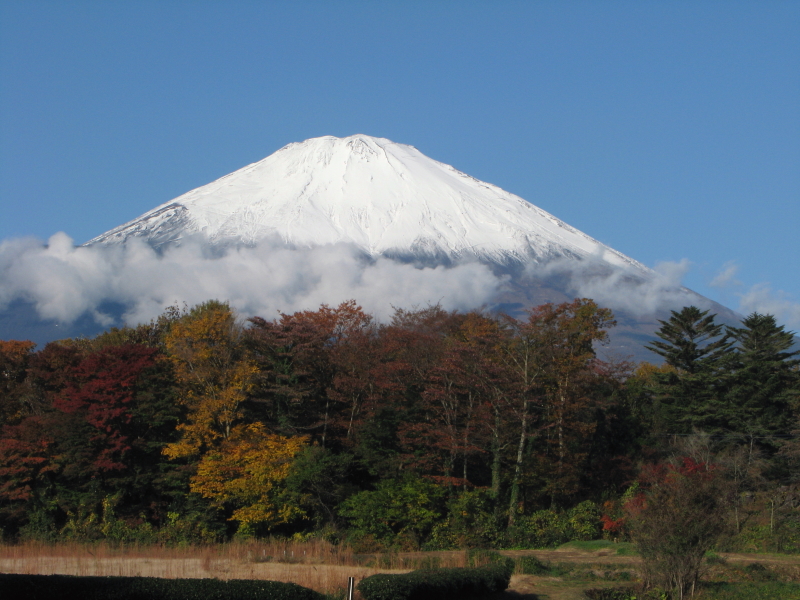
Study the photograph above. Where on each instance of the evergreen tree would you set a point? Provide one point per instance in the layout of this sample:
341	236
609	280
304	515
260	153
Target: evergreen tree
765	380
691	396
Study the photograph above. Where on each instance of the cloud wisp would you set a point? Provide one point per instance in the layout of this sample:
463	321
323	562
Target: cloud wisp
762	299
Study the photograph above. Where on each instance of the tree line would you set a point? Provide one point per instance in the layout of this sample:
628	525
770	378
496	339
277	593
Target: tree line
437	429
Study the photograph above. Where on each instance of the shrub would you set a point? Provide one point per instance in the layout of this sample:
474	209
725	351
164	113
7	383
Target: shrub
681	516
441	584
470	523
398	510
583	521
46	587
622	594
542	529
530	565
551	528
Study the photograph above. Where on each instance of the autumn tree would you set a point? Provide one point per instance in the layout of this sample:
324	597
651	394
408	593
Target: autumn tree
682	512
76	448
102	388
568	334
26	470
414	345
246	473
550	361
214	373
14	356
458	398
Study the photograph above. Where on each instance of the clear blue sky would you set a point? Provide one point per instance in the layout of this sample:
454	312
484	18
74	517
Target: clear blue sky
667	130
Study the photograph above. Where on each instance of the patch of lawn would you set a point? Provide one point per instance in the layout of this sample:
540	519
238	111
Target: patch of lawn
620	549
768	590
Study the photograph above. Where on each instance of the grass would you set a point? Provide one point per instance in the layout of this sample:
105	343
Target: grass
549	575
616	548
317	564
772	590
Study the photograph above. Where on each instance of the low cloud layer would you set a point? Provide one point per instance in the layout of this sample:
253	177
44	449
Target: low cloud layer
639	293
64	281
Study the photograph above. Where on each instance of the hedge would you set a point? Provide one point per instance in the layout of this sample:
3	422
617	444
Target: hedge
48	587
440	584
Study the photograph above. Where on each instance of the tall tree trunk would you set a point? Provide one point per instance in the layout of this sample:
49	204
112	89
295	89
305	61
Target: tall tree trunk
496	455
512	504
325	424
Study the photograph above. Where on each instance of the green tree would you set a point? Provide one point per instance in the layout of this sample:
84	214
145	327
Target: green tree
691	396
765	381
405	508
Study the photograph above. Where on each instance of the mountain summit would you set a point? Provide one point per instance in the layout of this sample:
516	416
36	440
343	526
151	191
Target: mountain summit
386	198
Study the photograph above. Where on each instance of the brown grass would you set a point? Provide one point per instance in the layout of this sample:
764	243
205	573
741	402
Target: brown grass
316	564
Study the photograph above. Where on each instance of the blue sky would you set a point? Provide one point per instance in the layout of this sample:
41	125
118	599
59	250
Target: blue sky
667	130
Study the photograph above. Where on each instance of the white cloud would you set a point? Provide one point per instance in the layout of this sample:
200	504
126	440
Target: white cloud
637	292
762	299
726	277
64	281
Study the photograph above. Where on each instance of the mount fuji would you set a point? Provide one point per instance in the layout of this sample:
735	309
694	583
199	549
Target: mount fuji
419	228
387	199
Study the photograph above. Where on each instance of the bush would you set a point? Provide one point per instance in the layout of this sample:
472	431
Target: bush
551	528
398	512
442	584
677	521
622	594
47	587
542	529
470	523
751	591
530	565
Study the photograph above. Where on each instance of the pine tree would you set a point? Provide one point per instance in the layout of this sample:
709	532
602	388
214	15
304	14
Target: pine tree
765	380
698	349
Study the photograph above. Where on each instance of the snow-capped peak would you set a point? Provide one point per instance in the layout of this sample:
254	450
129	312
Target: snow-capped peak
384	197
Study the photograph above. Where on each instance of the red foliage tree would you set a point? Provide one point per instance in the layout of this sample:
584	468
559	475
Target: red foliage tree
101	388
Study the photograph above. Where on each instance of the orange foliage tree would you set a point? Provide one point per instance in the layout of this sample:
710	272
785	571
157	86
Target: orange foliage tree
246	473
214	374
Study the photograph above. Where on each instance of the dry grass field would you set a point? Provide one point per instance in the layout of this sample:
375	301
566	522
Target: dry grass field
316	565
325	568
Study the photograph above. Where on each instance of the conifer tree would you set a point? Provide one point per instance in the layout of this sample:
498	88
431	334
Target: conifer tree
698	348
765	380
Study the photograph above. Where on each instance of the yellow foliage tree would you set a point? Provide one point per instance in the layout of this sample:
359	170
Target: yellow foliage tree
246	472
214	372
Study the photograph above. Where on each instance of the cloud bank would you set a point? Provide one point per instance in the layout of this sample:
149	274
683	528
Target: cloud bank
65	281
639	293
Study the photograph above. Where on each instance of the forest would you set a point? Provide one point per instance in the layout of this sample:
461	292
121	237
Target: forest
435	430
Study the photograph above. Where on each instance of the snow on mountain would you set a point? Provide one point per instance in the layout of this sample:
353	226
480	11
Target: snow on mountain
384	197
